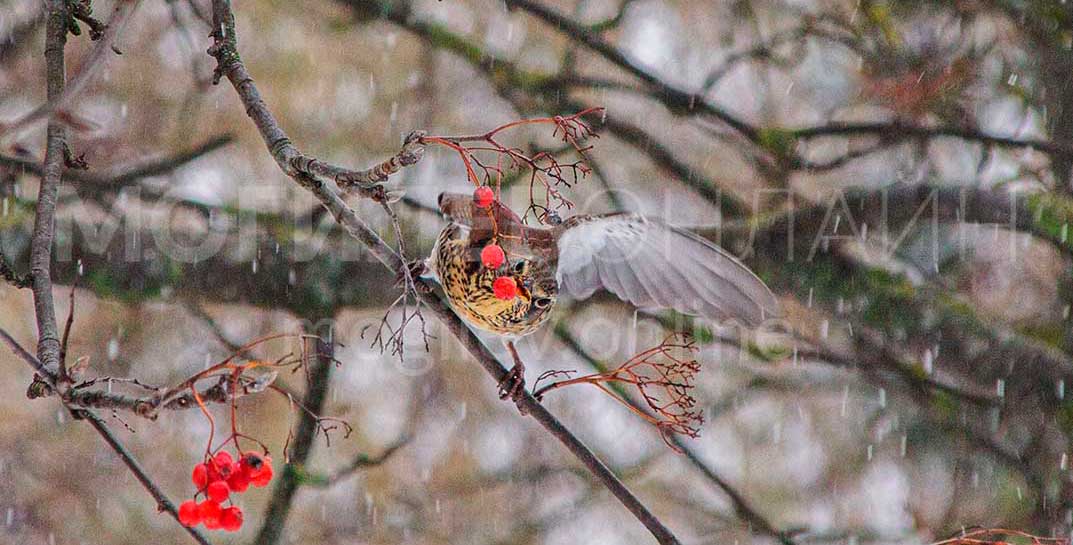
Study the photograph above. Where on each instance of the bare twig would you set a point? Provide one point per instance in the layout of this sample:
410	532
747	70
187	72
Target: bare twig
105	47
360	461
663	376
544	169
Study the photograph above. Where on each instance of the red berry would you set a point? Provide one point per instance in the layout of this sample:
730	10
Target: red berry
218	491
189	514
210	514
484	196
231	519
505	288
263	476
200	476
223	458
492	256
224	464
251	464
239	481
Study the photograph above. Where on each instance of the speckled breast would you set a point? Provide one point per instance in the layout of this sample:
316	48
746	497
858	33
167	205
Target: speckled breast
468	288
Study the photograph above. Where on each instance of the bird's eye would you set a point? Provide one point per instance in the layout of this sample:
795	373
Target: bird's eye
542	302
519	267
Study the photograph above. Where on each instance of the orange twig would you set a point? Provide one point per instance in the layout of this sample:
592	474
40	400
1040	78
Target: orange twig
544	168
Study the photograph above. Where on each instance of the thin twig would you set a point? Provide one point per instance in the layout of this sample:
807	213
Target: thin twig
105	47
124	176
361	461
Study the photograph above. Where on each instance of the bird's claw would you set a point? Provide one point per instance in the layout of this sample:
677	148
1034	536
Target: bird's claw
513	386
416	269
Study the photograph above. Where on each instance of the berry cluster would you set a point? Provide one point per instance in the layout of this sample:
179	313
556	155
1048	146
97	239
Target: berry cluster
217	478
492	256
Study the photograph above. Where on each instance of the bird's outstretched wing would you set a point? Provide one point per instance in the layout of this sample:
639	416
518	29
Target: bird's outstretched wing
653	265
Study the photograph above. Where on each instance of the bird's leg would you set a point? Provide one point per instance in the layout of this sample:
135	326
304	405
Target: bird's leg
513	385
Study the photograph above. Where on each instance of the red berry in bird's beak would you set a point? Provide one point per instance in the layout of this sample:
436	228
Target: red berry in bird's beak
492	256
505	288
483	196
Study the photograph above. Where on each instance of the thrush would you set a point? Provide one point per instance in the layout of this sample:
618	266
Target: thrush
641	260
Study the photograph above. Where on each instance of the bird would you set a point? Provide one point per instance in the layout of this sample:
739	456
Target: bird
641	260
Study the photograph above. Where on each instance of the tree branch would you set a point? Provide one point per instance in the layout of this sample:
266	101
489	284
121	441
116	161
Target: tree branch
231	66
48	337
360	461
104	47
742	507
136	468
678	100
319	379
124	176
898	130
163	503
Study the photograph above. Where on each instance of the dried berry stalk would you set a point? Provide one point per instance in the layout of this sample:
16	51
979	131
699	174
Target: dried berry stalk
545	171
663	376
233	375
1001	536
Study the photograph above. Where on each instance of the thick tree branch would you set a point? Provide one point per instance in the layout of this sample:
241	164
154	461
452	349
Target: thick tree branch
279	145
49	362
48	337
290	160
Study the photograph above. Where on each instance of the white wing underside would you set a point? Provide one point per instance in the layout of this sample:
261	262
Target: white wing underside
652	266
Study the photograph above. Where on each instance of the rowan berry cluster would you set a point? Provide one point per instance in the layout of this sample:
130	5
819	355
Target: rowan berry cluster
492	256
216	478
